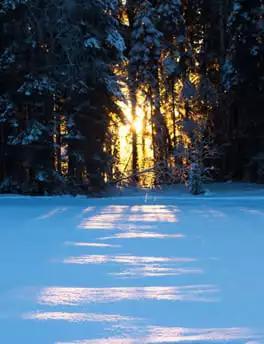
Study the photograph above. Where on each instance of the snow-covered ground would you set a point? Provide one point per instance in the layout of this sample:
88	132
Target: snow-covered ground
150	268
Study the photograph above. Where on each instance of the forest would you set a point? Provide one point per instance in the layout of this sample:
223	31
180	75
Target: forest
97	93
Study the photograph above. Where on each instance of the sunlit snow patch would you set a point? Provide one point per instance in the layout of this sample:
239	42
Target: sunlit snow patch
158	335
78	296
75	317
90	244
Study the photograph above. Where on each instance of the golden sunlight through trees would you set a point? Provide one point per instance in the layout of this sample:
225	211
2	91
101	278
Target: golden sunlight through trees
141	128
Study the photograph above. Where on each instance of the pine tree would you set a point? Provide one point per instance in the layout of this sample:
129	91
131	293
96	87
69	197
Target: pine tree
243	84
198	95
175	54
93	90
58	88
145	56
30	146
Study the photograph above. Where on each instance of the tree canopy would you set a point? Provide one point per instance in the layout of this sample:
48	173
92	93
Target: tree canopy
74	76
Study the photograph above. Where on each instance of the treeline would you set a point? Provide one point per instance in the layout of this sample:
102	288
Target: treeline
57	89
64	65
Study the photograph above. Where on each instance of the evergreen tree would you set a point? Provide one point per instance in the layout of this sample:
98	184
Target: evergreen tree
58	88
27	133
145	56
176	56
95	90
243	82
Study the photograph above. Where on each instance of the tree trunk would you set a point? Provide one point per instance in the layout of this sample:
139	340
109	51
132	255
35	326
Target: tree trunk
133	100
173	114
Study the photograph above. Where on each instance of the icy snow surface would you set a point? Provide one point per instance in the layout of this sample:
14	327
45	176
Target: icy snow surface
152	267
